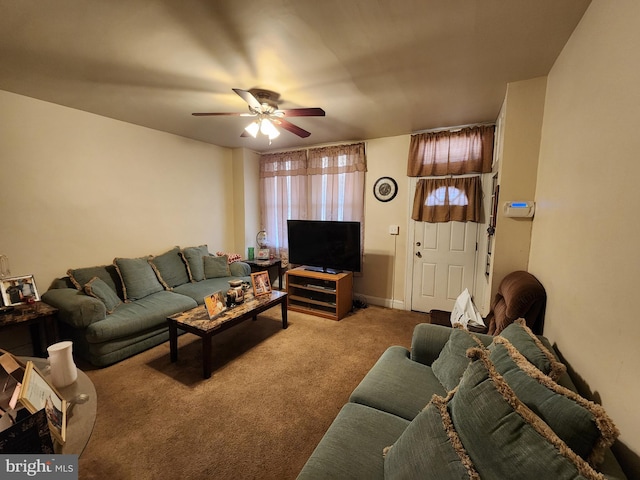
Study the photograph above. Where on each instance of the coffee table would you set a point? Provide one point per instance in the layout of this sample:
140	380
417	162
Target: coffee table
197	321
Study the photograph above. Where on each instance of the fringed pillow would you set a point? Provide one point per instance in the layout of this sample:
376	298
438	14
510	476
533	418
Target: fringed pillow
502	437
170	268
583	425
194	259
453	361
529	345
98	288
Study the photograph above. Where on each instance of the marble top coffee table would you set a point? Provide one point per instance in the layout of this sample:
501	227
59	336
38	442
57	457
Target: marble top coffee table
197	321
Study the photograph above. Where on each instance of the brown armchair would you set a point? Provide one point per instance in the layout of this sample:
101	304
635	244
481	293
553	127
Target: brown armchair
519	295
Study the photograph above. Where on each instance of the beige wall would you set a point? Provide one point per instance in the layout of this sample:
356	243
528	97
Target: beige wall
78	189
517	164
246	203
383	272
586	233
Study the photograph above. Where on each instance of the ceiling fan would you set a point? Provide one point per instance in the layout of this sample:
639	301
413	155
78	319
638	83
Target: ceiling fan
263	105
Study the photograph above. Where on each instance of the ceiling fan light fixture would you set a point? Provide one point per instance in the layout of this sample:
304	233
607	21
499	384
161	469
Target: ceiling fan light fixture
269	129
253	128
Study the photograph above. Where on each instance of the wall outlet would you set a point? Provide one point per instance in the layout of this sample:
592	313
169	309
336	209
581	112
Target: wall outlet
394	229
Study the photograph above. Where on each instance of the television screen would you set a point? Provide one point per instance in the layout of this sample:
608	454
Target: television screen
327	245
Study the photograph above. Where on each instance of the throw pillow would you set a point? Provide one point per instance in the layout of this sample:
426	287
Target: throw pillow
170	268
216	267
138	278
584	426
453	361
98	288
501	435
233	257
532	348
107	273
428	449
193	257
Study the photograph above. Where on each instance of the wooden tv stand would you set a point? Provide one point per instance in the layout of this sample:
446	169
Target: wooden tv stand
327	295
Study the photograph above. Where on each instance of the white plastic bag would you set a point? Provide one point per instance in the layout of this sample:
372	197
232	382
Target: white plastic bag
465	312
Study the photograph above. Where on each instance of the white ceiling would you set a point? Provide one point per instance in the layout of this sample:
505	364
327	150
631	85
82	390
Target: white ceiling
377	67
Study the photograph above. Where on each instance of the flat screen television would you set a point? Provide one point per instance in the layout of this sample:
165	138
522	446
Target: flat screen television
329	246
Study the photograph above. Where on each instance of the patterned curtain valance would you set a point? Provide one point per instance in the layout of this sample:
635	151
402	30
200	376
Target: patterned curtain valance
283	164
337	159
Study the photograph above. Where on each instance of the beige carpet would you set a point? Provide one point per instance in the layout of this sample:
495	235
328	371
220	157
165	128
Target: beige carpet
272	395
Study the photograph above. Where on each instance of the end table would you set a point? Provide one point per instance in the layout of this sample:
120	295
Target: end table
269	266
36	315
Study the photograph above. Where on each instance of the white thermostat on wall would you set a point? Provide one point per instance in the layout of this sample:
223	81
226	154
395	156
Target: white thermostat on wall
519	209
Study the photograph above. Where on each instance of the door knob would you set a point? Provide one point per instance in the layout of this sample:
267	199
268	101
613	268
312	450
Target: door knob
418	244
418	254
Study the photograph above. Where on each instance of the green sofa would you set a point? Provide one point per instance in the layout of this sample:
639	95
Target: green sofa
467	406
112	312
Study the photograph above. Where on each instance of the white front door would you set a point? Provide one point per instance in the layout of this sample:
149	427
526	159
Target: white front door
444	259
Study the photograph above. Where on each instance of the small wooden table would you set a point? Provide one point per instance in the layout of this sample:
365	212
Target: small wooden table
197	321
35	315
268	265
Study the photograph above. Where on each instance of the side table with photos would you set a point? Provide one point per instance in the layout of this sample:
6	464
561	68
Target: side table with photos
273	266
38	316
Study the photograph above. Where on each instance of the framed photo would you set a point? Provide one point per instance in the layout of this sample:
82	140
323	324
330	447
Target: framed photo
215	304
263	254
37	393
260	282
19	290
385	189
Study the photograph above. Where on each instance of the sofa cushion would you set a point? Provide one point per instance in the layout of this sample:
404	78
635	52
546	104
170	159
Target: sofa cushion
395	372
515	443
529	345
144	314
199	290
352	446
425	450
453	360
582	425
107	273
138	278
240	269
98	288
193	257
170	268
216	267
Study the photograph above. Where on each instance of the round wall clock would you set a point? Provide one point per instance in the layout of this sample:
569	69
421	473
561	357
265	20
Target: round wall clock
385	189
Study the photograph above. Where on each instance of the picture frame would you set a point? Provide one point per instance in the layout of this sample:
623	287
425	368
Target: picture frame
19	290
263	254
37	393
216	303
261	284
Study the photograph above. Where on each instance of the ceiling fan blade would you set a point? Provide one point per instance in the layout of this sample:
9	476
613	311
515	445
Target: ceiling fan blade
198	114
304	112
291	127
249	98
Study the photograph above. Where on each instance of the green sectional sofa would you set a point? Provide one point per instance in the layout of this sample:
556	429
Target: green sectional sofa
112	312
467	406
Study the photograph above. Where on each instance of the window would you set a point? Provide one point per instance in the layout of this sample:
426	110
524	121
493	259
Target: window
326	184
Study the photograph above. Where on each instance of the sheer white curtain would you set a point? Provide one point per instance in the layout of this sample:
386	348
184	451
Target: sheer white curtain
336	183
329	185
283	194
